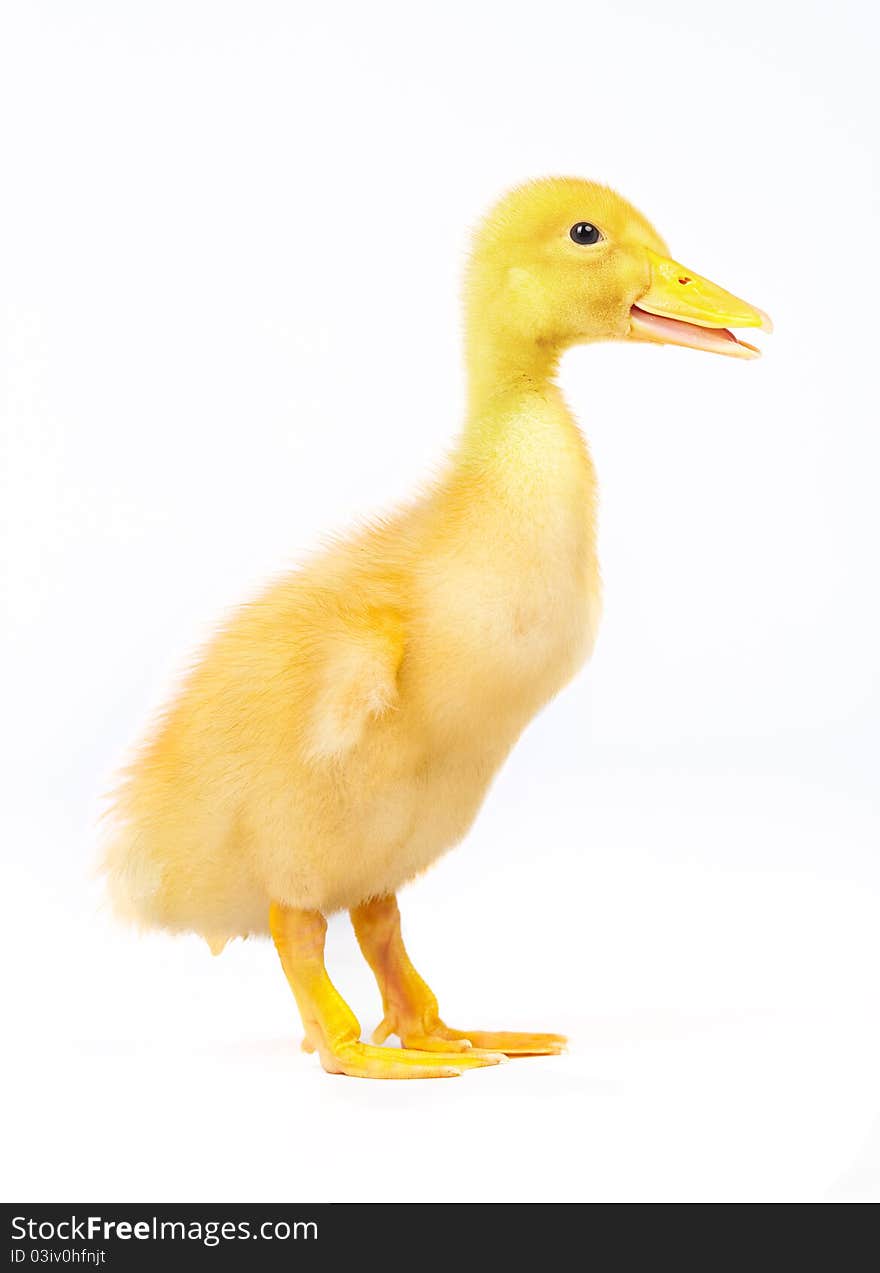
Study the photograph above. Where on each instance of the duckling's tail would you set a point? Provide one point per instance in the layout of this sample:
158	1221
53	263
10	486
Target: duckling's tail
133	877
170	861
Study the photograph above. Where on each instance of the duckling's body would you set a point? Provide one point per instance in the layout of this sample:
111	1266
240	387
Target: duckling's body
391	676
341	731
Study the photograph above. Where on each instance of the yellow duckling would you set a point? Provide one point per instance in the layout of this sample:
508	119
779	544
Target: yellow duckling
341	731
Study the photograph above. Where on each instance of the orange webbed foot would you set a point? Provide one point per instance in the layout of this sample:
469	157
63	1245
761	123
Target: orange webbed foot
411	1010
360	1060
438	1036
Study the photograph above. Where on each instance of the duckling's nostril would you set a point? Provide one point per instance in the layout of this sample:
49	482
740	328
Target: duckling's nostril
684	280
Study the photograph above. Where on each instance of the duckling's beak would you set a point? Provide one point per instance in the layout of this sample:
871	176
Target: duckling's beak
681	308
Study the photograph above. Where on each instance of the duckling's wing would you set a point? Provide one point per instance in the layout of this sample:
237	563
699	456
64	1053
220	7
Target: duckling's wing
357	680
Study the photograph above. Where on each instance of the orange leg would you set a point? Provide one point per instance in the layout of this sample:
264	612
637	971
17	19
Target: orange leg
332	1029
410	1006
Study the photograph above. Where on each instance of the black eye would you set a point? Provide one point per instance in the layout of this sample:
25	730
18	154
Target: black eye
585	233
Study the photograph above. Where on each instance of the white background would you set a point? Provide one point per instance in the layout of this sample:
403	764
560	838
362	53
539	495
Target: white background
231	237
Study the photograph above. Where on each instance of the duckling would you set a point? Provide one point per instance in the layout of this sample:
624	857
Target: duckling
340	732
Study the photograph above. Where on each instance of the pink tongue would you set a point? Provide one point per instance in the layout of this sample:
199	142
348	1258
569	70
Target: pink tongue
672	331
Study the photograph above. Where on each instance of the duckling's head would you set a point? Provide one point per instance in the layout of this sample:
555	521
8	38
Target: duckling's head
562	261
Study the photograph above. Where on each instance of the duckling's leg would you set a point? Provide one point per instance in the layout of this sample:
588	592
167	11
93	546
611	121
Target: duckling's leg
331	1027
411	1010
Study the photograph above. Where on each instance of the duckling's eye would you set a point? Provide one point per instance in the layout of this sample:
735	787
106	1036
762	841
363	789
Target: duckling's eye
585	233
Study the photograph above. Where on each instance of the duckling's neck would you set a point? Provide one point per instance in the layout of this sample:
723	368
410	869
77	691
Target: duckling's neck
517	417
498	366
521	498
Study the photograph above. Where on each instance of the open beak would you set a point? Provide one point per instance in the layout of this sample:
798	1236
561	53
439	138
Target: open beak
681	308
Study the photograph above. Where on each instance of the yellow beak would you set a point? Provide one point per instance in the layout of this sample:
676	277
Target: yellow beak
681	308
